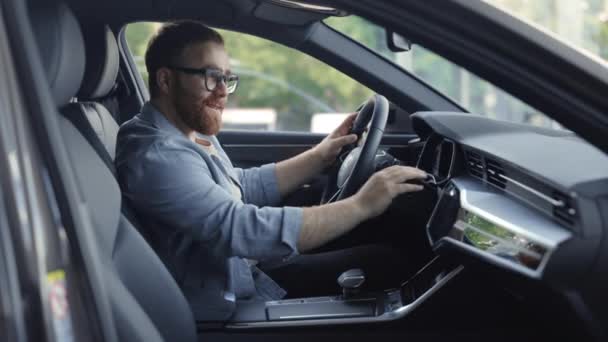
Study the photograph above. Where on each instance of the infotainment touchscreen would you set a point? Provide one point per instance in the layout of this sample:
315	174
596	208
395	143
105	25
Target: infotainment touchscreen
500	241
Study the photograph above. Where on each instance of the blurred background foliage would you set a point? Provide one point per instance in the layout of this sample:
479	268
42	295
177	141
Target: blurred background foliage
271	75
297	85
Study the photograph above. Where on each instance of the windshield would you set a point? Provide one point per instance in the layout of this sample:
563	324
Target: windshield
471	92
582	23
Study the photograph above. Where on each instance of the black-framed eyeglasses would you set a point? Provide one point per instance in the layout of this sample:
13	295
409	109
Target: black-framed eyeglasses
212	77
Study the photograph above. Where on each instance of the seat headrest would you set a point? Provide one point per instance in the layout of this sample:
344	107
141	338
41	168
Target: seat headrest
102	62
61	48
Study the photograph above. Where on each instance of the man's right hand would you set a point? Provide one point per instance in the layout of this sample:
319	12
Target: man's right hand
381	188
326	222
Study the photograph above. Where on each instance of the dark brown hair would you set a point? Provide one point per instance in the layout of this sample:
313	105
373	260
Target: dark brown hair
169	43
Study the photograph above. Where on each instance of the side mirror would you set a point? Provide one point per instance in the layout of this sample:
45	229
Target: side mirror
397	42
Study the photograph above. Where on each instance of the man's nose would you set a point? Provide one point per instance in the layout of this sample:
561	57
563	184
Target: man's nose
220	88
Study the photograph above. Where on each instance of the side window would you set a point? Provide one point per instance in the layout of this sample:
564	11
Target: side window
280	89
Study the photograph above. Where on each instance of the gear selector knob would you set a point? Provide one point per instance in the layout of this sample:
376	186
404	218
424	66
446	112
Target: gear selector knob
350	281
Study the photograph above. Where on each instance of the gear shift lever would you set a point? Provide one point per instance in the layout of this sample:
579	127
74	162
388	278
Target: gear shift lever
351	281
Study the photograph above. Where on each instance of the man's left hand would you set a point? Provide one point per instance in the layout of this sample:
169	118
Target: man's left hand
330	147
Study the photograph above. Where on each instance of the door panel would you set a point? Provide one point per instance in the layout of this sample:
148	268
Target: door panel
254	148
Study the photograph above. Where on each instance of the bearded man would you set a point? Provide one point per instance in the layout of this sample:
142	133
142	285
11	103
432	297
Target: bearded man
211	222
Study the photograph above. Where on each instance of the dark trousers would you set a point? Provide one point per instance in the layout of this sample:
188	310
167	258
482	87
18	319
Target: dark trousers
316	274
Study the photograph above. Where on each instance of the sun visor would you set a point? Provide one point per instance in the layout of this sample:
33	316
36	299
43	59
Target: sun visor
216	13
284	15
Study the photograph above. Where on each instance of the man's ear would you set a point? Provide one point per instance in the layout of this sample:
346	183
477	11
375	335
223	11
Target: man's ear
163	80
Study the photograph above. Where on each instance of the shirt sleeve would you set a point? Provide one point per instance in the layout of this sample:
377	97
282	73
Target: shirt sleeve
259	184
175	187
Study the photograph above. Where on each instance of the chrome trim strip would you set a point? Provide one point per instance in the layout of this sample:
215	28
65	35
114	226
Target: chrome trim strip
324	315
387	316
319	299
553	202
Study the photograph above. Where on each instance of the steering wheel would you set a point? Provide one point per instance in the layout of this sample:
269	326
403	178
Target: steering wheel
350	172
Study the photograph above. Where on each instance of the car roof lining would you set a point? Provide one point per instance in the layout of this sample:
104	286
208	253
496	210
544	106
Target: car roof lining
216	13
260	18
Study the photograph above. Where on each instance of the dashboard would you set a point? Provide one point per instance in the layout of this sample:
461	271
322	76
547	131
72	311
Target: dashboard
521	198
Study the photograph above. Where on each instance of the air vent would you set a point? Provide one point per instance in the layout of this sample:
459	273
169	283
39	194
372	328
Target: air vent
475	164
563	210
495	173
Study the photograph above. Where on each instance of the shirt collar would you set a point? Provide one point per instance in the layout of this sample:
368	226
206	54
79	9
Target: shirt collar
151	114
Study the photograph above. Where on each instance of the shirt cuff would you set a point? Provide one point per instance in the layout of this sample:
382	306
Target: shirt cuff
270	185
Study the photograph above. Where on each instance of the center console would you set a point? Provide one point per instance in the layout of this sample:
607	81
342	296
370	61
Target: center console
360	307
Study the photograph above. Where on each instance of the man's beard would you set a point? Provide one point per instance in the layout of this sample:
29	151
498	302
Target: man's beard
193	114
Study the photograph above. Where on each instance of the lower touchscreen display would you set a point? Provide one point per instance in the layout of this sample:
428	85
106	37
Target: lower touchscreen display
497	240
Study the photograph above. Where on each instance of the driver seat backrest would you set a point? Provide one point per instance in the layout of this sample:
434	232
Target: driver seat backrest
146	303
90	117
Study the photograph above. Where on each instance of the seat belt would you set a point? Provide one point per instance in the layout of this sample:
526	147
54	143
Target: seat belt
74	112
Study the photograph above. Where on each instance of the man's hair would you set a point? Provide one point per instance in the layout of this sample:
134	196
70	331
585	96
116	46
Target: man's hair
169	43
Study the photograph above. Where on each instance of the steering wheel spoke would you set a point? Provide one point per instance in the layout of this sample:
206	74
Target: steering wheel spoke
334	196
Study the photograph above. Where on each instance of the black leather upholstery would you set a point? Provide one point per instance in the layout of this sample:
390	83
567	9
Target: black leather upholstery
146	302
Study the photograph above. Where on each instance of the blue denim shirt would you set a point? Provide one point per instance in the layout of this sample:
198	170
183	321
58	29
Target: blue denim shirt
200	230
